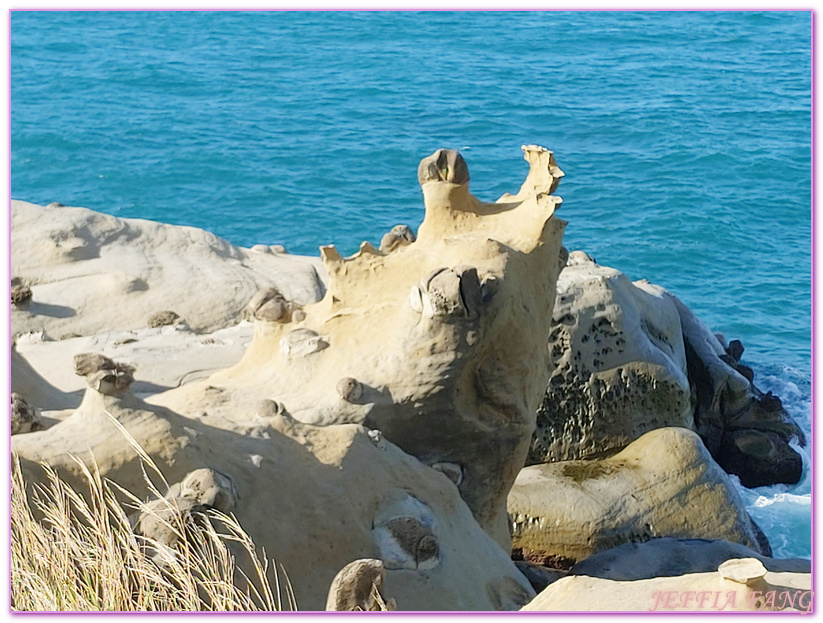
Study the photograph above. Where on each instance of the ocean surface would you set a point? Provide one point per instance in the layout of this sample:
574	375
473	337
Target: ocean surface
685	138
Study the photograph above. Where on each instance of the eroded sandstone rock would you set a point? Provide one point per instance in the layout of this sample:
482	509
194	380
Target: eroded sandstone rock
102	373
694	592
446	337
20	294
164	319
664	484
25	418
353	589
759	457
286	480
28	382
619	365
747	431
97	273
399	236
630	357
454	382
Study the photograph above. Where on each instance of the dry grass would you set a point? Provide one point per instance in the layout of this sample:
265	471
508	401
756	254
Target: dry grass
78	552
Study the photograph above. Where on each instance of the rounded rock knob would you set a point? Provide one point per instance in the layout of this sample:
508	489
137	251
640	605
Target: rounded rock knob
444	165
742	570
350	390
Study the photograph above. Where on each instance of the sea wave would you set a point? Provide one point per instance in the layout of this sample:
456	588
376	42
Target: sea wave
783	512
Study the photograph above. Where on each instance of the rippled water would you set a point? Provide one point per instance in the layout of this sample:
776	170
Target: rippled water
685	138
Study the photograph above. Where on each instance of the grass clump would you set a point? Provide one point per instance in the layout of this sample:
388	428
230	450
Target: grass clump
79	552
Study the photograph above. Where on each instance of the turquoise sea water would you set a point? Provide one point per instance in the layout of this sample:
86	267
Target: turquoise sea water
685	138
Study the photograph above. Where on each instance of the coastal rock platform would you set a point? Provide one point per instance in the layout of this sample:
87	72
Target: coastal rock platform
402	417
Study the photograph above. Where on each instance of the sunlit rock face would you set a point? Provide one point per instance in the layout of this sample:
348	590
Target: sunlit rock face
439	343
664	484
386	422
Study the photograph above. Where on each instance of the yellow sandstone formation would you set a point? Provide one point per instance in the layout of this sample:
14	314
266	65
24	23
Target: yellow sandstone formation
439	344
436	348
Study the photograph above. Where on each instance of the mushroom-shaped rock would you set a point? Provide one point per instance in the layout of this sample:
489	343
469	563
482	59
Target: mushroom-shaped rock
444	165
164	319
353	589
399	236
24	417
210	488
448	336
103	374
350	390
269	305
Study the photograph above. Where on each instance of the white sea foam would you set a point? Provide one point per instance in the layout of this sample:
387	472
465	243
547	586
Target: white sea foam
783	512
782	498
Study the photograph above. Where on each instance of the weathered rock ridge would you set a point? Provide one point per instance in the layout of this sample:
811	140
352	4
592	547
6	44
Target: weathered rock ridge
313	498
433	349
87	273
664	484
737	585
630	357
668	557
439	345
367	418
619	365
